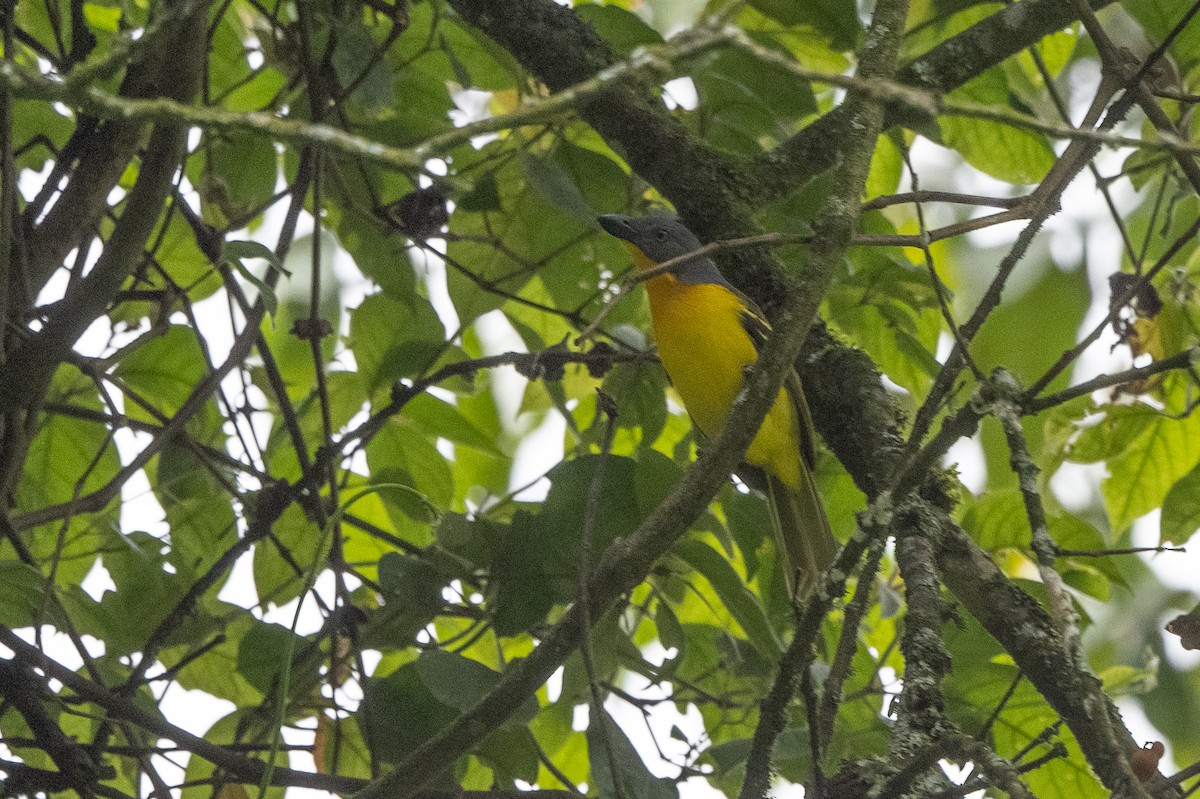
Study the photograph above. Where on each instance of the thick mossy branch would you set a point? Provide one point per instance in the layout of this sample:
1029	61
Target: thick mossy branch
947	66
1030	636
832	230
851	408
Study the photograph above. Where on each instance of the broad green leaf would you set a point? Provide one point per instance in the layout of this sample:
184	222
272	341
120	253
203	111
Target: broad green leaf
279	576
399	453
392	339
68	458
1009	153
262	654
198	507
836	18
356	60
617	768
743	604
624	31
1181	509
557	188
535	559
32	119
399	713
24	599
460	682
412	595
440	419
889	308
215	672
165	371
147	591
1159	18
746	102
639	390
344	747
1140	477
236	176
512	753
200	773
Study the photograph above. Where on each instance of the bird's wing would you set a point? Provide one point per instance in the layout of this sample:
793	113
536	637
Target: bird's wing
758	328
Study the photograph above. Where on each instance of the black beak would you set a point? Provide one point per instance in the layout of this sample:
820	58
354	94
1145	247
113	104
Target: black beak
617	225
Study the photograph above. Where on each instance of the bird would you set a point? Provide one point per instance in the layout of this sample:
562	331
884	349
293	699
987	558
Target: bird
708	335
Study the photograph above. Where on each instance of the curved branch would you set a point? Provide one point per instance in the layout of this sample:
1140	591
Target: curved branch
945	67
172	68
27	373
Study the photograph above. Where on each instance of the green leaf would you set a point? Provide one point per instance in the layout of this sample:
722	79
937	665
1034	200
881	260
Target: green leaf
737	598
889	308
640	393
32	120
380	256
261	91
24	598
484	63
399	713
356	60
535	559
615	762
1002	151
623	30
392	339
1181	509
400	453
346	750
147	590
198	507
420	102
465	538
1122	680
262	653
1006	152
483	196
460	682
838	19
200	774
1159	18
235	252
512	753
749	522
66	459
282	564
235	177
238	250
746	102
215	672
438	418
557	188
164	371
412	595
531	231
1141	476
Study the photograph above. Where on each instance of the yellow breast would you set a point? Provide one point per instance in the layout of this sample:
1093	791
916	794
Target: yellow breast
705	350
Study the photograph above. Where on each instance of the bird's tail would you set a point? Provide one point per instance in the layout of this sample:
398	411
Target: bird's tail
803	538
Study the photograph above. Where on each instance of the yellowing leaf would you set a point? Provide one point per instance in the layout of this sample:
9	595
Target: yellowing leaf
1146	338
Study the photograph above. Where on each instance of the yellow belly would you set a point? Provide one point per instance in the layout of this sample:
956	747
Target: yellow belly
705	350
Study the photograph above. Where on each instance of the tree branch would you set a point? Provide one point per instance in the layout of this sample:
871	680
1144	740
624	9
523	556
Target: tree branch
27	373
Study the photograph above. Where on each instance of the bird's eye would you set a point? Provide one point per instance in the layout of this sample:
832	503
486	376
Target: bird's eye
661	234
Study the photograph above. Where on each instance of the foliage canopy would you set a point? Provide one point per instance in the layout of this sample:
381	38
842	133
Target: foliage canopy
320	389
